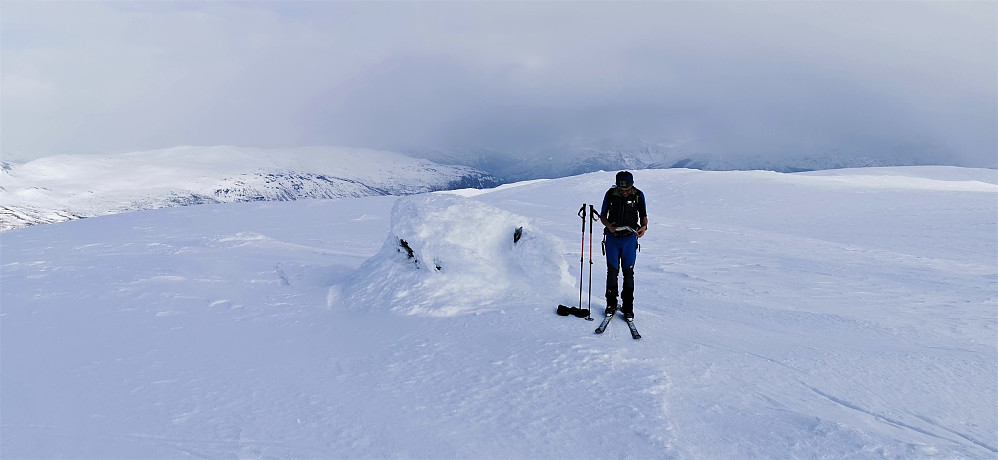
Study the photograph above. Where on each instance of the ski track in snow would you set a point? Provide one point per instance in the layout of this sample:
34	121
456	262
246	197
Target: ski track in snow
781	317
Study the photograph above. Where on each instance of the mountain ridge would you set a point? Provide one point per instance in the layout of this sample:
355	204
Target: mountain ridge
582	157
66	187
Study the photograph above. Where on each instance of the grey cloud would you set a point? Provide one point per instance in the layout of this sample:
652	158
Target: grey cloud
773	78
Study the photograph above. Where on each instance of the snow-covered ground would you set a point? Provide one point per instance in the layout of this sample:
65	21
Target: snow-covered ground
840	314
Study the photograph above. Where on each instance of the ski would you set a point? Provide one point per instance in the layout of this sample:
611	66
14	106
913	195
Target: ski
634	330
602	326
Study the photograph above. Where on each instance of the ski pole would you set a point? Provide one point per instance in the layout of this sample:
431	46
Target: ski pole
582	256
592	214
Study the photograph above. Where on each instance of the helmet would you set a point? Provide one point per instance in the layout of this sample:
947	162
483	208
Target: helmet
625	179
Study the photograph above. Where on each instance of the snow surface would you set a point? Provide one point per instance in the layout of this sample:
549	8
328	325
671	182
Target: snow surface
851	314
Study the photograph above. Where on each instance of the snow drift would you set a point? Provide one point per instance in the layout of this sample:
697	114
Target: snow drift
447	255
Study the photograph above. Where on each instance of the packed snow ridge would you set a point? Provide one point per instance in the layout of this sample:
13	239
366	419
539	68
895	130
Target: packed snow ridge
447	254
65	187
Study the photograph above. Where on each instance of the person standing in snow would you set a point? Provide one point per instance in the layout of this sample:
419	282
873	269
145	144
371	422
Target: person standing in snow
626	219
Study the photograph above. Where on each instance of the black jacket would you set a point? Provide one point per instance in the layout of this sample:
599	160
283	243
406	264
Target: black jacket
624	212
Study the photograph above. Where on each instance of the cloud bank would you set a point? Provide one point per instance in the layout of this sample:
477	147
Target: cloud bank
730	78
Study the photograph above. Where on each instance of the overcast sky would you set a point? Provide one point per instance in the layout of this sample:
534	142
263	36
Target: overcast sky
870	78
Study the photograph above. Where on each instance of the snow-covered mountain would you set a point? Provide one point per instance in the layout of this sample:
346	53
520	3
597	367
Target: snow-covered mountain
612	155
833	314
63	187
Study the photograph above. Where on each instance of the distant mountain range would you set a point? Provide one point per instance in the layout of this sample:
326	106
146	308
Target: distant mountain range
611	155
65	187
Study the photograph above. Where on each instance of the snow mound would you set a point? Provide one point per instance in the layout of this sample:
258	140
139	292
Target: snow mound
448	255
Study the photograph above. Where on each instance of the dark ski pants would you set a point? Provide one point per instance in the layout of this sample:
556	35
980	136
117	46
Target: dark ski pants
621	252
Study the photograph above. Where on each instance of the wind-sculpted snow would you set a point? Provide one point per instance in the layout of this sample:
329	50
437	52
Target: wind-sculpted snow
447	255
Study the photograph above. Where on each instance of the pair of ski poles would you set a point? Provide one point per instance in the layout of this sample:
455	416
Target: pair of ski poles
590	215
